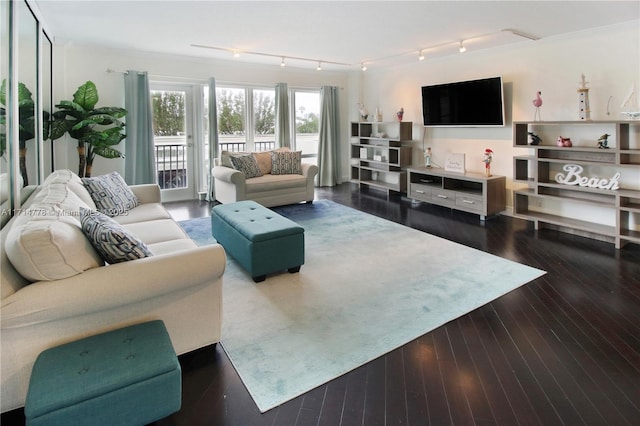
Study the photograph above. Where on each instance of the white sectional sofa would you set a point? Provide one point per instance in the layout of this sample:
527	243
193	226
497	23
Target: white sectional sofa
56	288
269	189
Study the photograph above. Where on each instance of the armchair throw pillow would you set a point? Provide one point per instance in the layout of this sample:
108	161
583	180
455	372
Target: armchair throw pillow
114	243
286	162
247	164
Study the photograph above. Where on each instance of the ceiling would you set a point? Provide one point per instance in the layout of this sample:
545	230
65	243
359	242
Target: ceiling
350	33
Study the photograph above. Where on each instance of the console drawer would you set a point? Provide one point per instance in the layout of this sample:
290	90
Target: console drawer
470	202
420	192
443	197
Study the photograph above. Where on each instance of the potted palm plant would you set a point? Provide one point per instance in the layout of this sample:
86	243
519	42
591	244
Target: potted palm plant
97	130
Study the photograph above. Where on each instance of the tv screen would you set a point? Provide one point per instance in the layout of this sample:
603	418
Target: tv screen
470	103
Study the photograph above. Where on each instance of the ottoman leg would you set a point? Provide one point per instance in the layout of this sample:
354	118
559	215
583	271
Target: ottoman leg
294	270
259	278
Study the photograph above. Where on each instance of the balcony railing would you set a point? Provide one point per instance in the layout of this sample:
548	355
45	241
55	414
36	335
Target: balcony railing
171	165
242	146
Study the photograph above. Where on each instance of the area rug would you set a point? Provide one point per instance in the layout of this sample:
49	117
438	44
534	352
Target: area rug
368	286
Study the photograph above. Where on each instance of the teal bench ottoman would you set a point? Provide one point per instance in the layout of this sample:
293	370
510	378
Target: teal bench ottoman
260	240
129	376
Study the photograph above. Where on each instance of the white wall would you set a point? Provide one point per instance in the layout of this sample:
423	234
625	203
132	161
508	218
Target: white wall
78	64
608	57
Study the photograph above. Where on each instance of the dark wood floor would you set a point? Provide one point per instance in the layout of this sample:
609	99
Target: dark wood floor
563	349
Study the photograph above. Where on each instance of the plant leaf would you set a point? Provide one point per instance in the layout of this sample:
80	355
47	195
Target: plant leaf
113	111
86	96
107	152
59	128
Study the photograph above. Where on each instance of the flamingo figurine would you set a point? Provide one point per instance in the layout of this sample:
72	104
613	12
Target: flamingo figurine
537	102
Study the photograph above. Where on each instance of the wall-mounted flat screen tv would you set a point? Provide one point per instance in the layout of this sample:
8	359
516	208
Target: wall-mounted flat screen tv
472	103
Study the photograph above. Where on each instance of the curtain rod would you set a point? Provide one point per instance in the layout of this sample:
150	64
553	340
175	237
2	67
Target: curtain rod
219	82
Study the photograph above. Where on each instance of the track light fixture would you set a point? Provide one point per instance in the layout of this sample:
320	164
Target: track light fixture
236	52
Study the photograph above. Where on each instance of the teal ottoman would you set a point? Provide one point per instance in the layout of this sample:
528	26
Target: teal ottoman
129	376
260	240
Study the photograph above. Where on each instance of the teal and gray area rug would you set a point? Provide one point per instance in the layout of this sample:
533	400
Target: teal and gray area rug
368	286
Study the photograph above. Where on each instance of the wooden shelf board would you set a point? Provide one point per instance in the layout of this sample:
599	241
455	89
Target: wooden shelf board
582	225
379	184
630	235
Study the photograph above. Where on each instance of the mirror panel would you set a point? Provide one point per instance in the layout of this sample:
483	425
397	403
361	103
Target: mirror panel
26	98
6	200
46	70
27	58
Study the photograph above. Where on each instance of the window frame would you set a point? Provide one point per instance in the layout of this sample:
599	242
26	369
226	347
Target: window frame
249	113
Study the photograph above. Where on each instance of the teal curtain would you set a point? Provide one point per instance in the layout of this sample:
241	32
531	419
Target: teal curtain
139	162
283	133
329	143
213	136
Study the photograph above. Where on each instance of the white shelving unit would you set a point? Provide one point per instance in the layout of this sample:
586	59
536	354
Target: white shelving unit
587	210
379	154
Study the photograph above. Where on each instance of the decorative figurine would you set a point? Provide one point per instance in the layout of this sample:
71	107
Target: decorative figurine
584	113
564	142
400	113
603	142
427	157
535	139
488	156
537	102
363	112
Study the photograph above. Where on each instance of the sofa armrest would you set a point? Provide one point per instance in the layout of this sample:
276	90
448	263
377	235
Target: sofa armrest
229	175
112	286
148	193
309	170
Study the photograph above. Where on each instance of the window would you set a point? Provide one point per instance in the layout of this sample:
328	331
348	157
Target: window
306	111
233	103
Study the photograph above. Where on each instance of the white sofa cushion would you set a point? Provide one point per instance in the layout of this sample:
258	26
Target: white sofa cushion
45	241
44	250
74	184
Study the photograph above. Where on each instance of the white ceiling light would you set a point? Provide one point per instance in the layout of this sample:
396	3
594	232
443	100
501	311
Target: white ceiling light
421	56
363	67
282	64
462	48
319	68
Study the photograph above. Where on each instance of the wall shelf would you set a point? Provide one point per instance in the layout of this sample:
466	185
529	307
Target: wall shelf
611	215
